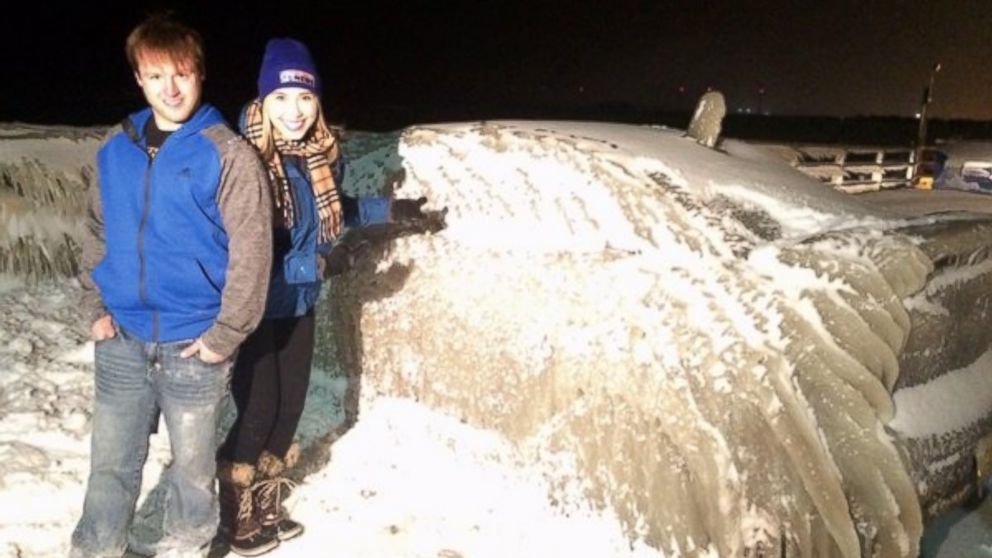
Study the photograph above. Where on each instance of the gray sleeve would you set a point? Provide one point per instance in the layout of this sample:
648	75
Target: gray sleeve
245	205
93	249
92	242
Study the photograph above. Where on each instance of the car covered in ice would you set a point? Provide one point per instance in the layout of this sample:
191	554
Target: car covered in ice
731	356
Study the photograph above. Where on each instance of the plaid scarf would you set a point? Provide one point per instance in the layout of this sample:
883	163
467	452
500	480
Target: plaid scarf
320	151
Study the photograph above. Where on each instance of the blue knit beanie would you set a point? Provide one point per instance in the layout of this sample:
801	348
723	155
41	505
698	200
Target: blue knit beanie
287	63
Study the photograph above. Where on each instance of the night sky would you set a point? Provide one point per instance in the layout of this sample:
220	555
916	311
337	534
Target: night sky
388	64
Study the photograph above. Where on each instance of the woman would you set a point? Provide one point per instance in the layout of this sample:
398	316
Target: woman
272	370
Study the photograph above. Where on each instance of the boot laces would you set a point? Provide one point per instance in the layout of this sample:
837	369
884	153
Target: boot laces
269	492
245	505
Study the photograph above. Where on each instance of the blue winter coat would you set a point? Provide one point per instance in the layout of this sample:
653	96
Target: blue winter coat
166	246
295	283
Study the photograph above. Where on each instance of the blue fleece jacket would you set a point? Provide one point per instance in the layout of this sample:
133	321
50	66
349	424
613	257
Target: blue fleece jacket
166	262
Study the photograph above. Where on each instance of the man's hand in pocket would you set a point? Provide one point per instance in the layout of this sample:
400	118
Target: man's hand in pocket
102	329
205	354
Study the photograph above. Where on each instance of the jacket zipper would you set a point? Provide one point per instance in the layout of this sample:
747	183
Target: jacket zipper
145	212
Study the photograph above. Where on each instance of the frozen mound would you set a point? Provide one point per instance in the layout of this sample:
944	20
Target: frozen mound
44	171
704	342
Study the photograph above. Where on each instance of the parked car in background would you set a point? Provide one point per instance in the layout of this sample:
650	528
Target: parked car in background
960	166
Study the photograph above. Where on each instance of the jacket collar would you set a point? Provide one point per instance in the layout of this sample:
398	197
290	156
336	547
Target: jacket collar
204	117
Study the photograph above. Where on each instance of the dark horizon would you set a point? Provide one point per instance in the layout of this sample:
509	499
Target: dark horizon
386	65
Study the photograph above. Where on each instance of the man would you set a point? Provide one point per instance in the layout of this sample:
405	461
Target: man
176	260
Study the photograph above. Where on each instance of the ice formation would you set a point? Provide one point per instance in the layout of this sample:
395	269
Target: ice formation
704	343
44	171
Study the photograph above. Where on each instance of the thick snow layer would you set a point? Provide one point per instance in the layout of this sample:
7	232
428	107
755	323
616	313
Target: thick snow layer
407	481
964	397
62	149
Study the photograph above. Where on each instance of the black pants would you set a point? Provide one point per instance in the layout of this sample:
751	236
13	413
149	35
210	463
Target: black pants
269	386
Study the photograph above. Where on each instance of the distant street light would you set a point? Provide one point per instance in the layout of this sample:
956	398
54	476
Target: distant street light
921	137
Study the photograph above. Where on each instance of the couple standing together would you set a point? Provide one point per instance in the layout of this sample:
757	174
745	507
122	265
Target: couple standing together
198	243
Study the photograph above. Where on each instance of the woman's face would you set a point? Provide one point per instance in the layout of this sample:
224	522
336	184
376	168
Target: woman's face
292	110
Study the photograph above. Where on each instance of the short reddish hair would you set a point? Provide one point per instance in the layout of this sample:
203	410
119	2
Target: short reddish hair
160	36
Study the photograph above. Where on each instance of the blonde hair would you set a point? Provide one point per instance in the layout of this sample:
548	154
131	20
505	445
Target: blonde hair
267	141
160	36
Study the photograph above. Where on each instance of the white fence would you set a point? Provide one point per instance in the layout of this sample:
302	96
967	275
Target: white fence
852	169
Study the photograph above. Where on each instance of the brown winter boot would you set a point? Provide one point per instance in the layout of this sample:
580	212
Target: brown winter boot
271	489
239	522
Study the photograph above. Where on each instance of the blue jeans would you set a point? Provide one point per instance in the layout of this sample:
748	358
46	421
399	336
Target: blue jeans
136	380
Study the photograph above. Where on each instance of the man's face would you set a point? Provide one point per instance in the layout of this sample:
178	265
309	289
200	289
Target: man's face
172	92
